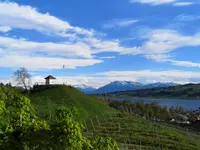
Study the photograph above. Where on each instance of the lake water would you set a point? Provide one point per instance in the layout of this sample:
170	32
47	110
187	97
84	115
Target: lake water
187	104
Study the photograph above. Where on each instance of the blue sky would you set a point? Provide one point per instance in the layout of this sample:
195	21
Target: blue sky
101	41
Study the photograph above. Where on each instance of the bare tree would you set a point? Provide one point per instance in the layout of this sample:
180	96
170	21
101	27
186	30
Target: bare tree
22	76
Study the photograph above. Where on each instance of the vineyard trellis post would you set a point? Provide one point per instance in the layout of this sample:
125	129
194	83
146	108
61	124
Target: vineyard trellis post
114	112
129	142
92	124
104	122
98	121
127	110
111	117
119	127
86	126
104	118
123	109
131	111
50	114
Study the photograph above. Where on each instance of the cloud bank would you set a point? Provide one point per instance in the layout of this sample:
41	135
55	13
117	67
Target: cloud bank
26	17
143	76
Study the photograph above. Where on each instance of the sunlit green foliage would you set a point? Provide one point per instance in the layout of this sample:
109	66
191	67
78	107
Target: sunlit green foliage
21	129
100	143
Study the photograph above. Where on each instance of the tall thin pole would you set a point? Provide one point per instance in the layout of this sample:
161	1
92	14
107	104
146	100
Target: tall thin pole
106	97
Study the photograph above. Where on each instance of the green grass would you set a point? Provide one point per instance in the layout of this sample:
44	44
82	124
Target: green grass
45	101
133	132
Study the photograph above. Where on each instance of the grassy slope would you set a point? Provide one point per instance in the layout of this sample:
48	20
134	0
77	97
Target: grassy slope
45	102
190	91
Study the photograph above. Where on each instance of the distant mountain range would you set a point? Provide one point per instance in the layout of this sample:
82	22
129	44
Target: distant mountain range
86	89
121	86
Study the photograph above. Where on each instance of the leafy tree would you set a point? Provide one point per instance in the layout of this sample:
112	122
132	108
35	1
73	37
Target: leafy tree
21	76
21	129
66	132
18	120
100	143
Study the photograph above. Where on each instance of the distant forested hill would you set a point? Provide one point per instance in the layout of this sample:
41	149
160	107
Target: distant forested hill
188	91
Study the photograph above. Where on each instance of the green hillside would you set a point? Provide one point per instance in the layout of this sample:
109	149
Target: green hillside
189	91
46	100
131	131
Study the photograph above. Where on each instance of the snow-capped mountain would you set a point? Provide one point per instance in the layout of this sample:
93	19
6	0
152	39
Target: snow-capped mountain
159	84
85	89
120	86
129	85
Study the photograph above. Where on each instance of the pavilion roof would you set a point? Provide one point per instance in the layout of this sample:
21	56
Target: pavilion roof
50	77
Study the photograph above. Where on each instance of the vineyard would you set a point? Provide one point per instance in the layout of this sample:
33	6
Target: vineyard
129	130
133	132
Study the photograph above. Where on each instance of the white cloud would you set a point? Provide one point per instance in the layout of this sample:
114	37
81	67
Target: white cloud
183	3
165	41
143	76
26	17
160	43
184	17
116	23
107	57
4	29
84	48
148	76
185	63
150	73
21	52
5	81
168	58
159	57
75	80
100	46
61	49
153	2
161	2
43	63
1	51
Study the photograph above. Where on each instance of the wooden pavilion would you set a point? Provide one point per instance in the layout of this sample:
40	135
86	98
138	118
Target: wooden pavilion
49	80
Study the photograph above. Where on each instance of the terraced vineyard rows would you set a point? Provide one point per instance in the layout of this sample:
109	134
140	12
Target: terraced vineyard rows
133	132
